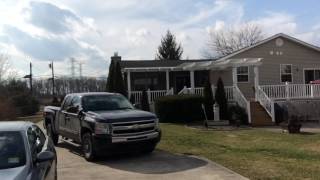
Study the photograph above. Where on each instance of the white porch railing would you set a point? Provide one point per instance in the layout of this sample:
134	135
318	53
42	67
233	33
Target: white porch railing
199	91
152	95
292	91
242	101
266	102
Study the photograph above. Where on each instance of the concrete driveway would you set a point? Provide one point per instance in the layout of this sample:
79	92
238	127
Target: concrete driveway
158	165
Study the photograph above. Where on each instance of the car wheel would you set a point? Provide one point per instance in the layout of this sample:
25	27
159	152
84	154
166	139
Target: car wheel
50	133
88	147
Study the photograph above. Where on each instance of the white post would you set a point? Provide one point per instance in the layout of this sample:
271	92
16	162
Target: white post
149	95
287	90
312	90
167	80
273	112
192	81
213	90
234	76
129	84
256	81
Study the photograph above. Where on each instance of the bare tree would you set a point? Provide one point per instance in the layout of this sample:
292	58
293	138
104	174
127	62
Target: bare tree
222	43
4	66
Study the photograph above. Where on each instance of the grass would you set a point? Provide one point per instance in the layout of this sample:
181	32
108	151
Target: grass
254	153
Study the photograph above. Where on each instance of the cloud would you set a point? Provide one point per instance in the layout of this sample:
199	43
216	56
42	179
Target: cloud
51	18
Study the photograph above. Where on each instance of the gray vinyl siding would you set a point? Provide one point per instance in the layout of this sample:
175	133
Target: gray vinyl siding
292	53
301	57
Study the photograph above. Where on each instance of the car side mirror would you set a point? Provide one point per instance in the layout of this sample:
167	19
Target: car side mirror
45	156
80	113
136	106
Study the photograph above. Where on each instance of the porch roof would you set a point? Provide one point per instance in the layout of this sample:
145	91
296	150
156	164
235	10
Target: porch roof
206	65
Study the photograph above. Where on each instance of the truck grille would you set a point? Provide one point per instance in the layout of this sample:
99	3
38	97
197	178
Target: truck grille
133	128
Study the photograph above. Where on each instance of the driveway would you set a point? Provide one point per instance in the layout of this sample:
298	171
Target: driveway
157	165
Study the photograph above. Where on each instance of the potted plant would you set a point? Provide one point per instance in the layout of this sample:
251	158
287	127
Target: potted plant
293	125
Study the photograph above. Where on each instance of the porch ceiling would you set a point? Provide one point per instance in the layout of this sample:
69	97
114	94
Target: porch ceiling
211	65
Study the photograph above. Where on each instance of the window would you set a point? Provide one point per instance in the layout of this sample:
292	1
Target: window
67	102
286	72
36	139
12	150
243	74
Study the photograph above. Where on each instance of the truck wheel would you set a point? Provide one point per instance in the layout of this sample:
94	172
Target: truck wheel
52	135
88	147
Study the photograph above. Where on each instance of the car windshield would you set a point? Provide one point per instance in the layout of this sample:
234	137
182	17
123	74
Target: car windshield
105	103
12	150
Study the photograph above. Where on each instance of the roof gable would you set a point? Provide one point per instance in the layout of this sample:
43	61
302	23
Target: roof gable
268	40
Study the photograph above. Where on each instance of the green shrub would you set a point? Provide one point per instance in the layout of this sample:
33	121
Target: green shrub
144	104
25	104
208	100
221	99
238	115
179	108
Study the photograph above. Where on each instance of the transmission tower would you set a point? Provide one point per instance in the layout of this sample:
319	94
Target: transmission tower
72	60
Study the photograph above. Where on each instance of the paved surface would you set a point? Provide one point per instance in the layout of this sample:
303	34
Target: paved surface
158	165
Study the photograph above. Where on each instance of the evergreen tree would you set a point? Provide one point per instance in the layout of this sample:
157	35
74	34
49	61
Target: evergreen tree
144	101
115	81
110	80
221	99
169	49
208	100
119	83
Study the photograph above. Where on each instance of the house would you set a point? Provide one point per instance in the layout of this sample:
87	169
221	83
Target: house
257	77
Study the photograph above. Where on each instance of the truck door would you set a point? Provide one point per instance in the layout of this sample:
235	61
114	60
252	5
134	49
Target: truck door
74	121
62	117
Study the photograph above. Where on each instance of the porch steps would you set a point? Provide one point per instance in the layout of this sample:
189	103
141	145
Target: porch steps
259	116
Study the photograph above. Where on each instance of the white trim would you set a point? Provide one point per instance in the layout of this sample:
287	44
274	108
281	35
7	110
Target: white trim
267	40
286	73
248	74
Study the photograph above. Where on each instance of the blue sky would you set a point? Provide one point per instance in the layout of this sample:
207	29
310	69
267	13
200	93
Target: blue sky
91	31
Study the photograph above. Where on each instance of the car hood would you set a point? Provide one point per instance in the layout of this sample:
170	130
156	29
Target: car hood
122	115
17	173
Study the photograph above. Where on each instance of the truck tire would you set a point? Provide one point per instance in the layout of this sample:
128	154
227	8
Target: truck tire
88	147
52	135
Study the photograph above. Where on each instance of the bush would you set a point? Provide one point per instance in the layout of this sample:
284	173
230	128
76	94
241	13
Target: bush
25	104
144	101
208	100
221	99
179	108
238	115
7	110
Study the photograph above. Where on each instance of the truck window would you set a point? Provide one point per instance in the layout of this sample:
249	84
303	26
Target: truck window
105	103
67	103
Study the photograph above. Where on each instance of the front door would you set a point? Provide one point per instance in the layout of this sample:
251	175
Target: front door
182	81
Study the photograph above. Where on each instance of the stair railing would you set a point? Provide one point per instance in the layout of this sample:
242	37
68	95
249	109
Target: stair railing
266	102
242	101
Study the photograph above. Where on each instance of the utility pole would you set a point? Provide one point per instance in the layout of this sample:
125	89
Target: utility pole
29	76
80	69
52	72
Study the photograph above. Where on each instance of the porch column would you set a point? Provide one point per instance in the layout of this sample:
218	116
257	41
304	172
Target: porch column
167	80
129	83
256	80
192	80
234	76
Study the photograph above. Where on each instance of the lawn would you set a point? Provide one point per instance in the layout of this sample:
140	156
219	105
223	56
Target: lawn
254	153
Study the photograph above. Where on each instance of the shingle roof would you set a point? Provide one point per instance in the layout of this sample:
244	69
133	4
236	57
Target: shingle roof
156	63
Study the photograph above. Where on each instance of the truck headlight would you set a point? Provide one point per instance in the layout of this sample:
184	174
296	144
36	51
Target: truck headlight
102	128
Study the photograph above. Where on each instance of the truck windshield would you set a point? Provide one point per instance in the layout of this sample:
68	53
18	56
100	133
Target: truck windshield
105	103
12	151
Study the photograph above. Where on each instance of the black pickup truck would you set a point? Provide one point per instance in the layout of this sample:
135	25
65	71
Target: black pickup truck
102	123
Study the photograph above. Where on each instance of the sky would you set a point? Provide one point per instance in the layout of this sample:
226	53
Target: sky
91	31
